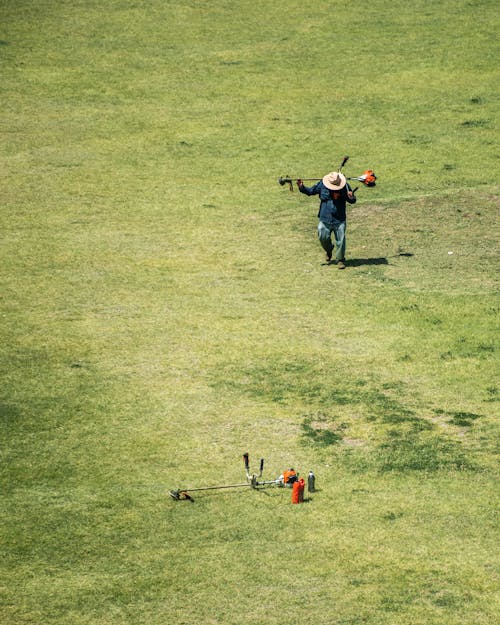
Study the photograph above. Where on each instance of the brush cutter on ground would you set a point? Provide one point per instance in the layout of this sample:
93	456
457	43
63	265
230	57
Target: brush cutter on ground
368	177
286	479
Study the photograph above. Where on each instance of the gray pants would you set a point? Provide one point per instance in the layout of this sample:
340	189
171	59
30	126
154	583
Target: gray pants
325	238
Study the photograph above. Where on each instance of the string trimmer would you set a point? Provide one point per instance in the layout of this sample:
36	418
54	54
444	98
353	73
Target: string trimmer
253	481
368	177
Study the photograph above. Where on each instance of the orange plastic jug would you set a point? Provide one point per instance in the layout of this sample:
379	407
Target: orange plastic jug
298	491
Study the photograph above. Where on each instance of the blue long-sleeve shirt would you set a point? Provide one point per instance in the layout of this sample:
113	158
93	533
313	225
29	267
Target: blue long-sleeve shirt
332	203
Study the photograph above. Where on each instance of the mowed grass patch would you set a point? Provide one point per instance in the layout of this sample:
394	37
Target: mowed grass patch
165	309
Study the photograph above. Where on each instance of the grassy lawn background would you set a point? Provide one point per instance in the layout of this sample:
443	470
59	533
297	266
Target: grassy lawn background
165	309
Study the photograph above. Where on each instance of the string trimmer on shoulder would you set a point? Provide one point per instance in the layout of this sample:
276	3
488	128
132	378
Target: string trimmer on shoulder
367	178
287	479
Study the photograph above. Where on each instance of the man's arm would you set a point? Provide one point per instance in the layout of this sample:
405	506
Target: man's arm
314	190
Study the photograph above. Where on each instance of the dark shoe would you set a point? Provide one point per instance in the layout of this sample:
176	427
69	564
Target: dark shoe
341	264
328	258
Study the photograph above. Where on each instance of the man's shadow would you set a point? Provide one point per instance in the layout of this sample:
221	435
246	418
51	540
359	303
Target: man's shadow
359	262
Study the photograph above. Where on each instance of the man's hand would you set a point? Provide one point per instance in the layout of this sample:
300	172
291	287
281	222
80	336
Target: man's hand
300	184
350	195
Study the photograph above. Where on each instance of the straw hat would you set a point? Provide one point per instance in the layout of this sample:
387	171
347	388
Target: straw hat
334	181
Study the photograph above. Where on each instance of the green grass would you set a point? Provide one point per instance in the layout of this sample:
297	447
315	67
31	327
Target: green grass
165	308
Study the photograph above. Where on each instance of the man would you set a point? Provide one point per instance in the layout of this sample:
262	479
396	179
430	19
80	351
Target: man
334	192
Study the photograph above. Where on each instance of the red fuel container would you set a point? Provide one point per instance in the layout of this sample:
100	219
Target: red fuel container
298	491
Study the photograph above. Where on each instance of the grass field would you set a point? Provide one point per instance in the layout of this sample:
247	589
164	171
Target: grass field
165	308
